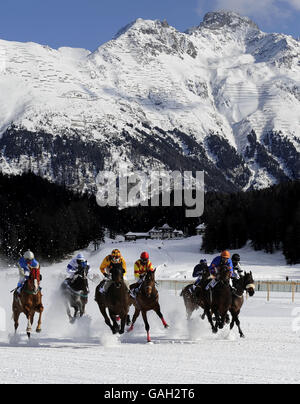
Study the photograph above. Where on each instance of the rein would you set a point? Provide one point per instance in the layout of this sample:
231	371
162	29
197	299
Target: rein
74	292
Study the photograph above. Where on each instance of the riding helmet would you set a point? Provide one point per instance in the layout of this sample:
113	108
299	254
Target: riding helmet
115	255
28	255
144	256
225	254
236	258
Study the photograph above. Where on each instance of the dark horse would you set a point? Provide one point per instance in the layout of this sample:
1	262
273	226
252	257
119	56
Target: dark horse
29	302
193	300
75	293
245	283
116	300
146	300
219	300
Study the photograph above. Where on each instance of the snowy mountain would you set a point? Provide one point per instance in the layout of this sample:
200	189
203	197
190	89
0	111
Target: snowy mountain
223	97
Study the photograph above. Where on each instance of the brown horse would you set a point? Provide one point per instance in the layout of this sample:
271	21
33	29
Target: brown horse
116	300
219	300
29	302
245	283
147	299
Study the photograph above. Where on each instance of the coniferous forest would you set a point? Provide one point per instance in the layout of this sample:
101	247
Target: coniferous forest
53	221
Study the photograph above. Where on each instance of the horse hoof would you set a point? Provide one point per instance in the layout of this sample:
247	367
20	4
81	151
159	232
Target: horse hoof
121	332
39	330
130	329
28	335
166	326
242	336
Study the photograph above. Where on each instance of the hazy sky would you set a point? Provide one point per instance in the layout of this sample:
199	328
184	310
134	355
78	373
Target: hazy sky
89	23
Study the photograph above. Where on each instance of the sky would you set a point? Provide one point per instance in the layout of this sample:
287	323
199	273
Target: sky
89	23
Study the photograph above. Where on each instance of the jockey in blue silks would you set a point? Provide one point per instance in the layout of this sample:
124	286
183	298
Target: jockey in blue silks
223	259
24	264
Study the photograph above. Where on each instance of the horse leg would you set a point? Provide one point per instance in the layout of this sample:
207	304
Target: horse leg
220	320
123	322
232	321
208	313
29	323
237	322
159	313
39	325
114	320
106	318
147	327
134	318
16	315
189	310
68	309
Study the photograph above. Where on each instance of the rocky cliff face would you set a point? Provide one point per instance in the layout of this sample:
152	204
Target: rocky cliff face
222	97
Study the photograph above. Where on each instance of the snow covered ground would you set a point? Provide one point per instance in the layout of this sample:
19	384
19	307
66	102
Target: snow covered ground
86	352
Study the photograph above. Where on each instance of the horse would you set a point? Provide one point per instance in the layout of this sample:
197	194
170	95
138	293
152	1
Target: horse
219	300
29	302
75	293
193	300
147	299
245	283
116	300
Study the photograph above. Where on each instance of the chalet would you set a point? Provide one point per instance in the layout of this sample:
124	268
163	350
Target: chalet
200	229
136	236
164	232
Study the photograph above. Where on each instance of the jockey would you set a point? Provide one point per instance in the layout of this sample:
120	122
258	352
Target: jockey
73	266
199	271
115	258
25	264
223	259
237	269
141	267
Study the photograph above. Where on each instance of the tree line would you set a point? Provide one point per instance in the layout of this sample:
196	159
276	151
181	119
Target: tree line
53	221
269	218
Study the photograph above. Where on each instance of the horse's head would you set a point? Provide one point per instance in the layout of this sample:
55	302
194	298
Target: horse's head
80	280
149	283
82	271
34	279
224	273
249	283
117	275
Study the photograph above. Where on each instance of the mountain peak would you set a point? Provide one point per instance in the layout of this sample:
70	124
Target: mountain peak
219	19
146	26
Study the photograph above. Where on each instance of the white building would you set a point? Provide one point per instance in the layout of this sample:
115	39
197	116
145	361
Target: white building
200	229
164	232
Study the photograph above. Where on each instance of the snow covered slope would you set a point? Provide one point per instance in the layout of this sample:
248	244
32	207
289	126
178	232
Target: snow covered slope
222	97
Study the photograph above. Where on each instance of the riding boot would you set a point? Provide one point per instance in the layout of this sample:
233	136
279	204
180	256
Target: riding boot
20	287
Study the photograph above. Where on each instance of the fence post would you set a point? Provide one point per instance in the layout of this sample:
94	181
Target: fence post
293	292
268	294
